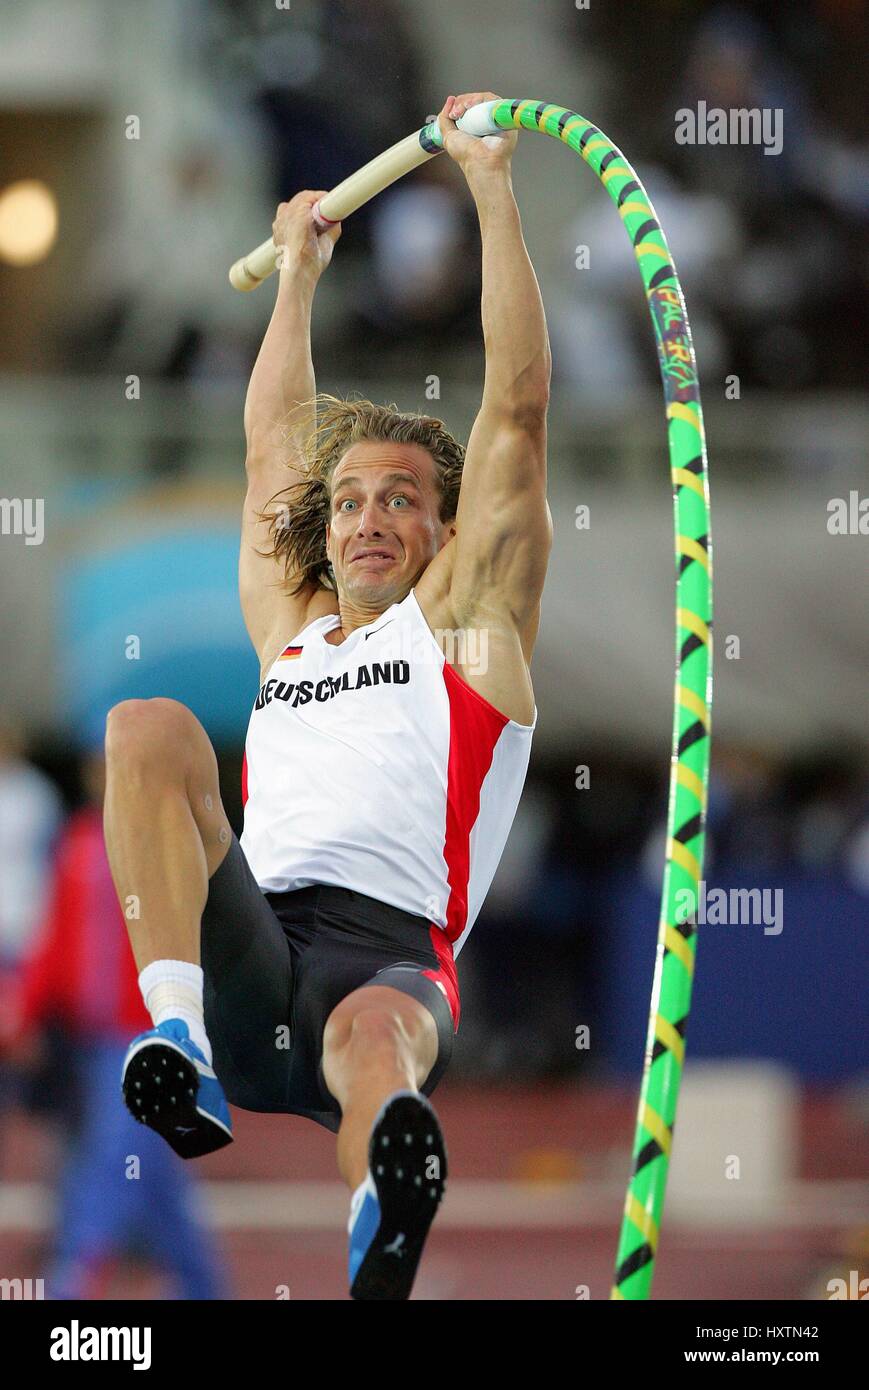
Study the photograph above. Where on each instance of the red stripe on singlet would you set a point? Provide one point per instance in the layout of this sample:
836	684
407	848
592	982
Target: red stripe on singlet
475	727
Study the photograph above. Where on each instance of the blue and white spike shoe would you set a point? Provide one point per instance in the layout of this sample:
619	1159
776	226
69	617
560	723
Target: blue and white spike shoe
168	1085
407	1170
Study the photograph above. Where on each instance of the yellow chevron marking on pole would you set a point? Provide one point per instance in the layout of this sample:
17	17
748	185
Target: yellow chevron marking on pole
616	1293
687	546
612	173
693	622
678	411
657	1127
689	779
596	145
684	858
688	700
666	1034
523	107
642	1219
627	208
688	479
650	248
675	942
572	125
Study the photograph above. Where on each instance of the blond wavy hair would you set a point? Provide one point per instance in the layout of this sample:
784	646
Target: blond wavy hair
297	527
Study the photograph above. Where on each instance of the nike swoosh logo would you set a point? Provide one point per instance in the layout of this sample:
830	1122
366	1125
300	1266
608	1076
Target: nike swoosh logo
378	629
184	1129
395	1247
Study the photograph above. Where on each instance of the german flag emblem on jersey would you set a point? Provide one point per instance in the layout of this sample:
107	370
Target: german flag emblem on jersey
290	653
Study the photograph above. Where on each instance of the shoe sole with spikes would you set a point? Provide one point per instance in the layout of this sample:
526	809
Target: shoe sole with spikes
408	1162
160	1086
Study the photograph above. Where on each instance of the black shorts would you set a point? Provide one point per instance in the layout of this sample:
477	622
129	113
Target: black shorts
275	966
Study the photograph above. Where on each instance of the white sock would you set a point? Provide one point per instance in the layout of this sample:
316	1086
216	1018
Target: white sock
358	1198
173	989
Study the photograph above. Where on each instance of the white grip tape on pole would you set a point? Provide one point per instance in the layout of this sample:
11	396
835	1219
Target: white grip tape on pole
477	120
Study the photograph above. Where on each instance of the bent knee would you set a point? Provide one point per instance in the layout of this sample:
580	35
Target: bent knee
372	1029
149	728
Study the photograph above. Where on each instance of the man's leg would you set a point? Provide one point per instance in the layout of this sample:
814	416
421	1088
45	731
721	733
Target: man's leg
380	1045
166	832
165	827
377	1041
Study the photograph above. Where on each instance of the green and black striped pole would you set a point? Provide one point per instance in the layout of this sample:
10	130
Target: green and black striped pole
689	768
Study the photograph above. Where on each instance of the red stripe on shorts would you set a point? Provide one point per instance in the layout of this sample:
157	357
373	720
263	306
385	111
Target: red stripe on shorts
445	975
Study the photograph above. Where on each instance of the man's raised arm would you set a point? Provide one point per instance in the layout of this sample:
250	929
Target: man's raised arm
518	362
503	524
283	374
277	416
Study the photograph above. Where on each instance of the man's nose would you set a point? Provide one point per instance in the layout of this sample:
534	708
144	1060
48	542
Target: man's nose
370	519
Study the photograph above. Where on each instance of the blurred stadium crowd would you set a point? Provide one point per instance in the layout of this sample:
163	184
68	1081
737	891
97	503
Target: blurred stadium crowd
771	247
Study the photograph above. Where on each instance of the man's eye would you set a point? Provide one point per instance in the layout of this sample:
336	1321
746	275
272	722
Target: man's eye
398	496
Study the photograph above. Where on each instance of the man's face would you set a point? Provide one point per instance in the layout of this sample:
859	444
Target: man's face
385	526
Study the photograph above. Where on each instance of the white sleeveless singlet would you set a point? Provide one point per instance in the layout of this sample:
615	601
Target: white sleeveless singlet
374	766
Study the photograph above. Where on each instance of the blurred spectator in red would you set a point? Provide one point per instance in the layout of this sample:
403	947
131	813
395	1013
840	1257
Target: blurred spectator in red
122	1190
30	814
